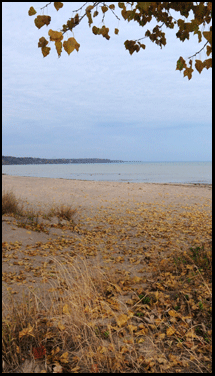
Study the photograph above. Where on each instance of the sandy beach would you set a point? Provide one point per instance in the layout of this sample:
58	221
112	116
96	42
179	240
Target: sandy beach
123	216
130	233
43	192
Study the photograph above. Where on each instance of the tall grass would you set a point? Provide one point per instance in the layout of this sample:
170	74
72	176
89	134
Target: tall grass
75	332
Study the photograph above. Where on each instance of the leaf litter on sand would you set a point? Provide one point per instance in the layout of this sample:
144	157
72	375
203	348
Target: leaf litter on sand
138	299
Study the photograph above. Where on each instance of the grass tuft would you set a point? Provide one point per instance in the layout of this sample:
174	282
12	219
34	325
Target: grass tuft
10	204
29	217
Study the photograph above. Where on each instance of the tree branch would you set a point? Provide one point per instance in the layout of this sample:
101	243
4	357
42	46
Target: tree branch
198	51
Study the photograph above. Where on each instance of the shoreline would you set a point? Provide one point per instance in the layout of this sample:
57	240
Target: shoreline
114	181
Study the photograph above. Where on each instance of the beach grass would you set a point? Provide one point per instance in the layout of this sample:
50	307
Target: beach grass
11	205
98	322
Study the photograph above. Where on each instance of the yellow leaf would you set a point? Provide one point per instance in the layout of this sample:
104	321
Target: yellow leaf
66	309
172	313
27	332
61	326
55	351
162	335
132	328
170	331
142	332
191	334
156	295
55	35
121	320
64	357
70	45
137	279
58	46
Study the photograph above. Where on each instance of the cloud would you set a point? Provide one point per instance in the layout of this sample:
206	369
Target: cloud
101	99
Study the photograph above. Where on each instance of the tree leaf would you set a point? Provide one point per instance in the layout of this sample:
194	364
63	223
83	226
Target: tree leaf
181	64
144	5
104	9
58	5
45	51
188	72
32	11
112	6
40	21
58	45
199	65
55	35
208	36
70	45
42	42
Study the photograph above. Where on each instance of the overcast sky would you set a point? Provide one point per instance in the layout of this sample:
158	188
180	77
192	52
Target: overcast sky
101	102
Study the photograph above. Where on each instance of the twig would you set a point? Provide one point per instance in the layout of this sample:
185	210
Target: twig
199	50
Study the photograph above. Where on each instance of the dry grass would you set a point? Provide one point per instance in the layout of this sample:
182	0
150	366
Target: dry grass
91	327
77	333
86	331
62	212
12	206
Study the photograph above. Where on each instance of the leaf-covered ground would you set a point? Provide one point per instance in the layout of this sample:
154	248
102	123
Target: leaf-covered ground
129	291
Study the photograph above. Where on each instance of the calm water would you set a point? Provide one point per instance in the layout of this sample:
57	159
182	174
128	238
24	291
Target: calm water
148	172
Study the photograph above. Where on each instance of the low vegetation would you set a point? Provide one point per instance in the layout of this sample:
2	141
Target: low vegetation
99	322
28	217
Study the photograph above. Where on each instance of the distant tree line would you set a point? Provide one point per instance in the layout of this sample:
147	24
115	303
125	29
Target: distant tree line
29	160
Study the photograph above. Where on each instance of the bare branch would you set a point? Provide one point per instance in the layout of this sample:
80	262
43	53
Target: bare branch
199	50
45	6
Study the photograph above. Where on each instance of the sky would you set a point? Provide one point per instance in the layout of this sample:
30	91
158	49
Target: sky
100	102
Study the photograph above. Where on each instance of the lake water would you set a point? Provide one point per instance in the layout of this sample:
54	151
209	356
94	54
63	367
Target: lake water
146	172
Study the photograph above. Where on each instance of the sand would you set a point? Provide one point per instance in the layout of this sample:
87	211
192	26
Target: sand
113	208
44	192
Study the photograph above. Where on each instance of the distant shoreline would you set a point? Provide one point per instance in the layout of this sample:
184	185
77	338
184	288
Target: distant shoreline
8	161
